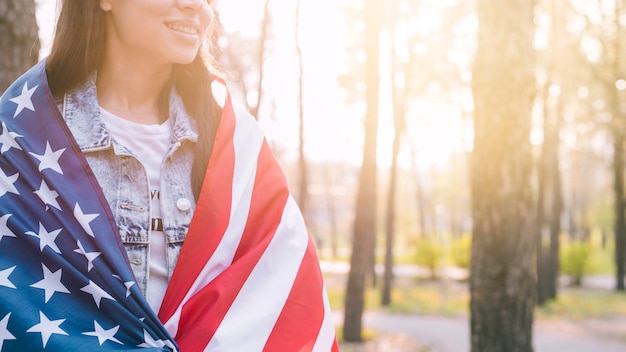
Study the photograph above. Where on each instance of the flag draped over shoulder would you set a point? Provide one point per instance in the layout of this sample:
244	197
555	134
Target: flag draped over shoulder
247	278
65	283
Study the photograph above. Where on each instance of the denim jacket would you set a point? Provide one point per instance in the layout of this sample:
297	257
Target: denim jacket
124	180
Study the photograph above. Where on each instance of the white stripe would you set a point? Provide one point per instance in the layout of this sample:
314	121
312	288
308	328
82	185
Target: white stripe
326	336
247	141
251	318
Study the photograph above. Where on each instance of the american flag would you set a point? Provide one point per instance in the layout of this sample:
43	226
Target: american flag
247	279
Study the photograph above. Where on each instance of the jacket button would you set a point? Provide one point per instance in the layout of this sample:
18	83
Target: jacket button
183	204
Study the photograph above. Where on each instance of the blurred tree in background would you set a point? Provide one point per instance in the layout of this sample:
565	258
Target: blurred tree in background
502	277
609	73
554	88
398	92
303	193
244	58
364	231
19	39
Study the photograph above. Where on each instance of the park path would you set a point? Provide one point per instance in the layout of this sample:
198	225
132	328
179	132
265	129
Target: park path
451	334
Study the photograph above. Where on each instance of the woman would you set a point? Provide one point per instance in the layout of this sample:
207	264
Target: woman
176	205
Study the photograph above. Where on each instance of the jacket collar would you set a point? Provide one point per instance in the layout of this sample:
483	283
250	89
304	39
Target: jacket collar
82	114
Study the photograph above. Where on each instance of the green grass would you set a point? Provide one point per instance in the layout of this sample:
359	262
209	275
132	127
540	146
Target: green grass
429	300
427	297
452	299
579	303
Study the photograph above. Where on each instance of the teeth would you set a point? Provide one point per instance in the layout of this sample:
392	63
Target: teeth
184	29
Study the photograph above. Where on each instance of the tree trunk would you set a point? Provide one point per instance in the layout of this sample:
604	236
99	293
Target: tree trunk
364	234
398	97
420	197
302	165
556	202
618	124
331	209
542	167
390	214
549	205
620	206
265	25
502	281
549	197
553	131
19	39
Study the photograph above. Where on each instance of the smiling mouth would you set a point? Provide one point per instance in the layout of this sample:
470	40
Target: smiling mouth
183	29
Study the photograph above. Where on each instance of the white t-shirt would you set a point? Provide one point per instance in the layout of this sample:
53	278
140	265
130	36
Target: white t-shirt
150	144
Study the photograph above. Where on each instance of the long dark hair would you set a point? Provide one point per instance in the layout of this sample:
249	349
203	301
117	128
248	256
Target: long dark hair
77	51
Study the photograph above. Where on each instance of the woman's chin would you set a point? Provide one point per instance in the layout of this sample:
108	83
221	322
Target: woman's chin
183	57
184	60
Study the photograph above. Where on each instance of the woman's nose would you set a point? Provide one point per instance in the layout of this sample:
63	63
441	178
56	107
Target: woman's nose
191	4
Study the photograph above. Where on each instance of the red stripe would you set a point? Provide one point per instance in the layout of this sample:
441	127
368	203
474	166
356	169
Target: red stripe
210	218
269	197
335	347
203	314
299	322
